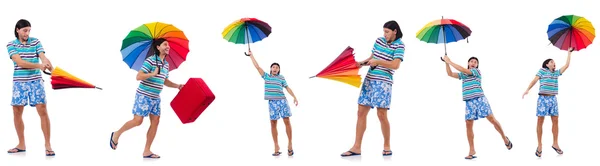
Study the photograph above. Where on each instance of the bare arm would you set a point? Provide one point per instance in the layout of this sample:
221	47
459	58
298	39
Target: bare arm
566	66
450	73
171	84
24	64
533	82
142	76
460	68
289	90
261	72
395	64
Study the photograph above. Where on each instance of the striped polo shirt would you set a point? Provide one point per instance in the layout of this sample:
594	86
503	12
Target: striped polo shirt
471	84
152	86
384	51
29	52
274	85
548	81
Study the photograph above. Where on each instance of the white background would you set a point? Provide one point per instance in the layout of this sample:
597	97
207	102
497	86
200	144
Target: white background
427	115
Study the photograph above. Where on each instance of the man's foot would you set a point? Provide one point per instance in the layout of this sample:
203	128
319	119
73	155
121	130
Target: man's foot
50	153
508	143
151	155
557	149
17	150
471	155
277	152
538	151
113	143
387	152
351	152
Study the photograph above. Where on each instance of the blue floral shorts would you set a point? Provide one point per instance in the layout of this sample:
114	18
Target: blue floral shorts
145	105
29	93
375	94
547	106
477	108
279	109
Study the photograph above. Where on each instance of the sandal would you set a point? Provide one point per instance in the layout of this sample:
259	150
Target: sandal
559	151
16	150
509	146
152	156
387	152
538	153
276	154
470	157
50	153
290	152
351	153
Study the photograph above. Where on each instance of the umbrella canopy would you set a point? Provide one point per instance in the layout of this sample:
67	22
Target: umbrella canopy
342	69
137	46
444	31
246	31
63	80
571	31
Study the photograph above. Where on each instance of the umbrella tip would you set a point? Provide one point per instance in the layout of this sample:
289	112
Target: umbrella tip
98	88
312	76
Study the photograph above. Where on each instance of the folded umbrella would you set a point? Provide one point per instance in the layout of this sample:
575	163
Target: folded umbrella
63	80
342	69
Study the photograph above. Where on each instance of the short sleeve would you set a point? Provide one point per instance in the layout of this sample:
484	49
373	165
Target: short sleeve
540	73
283	82
558	72
265	74
10	47
147	66
462	76
399	52
39	48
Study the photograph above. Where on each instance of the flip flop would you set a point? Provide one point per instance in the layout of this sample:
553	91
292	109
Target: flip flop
351	154
509	146
50	153
559	151
18	150
471	157
114	147
290	152
152	156
276	154
538	153
387	152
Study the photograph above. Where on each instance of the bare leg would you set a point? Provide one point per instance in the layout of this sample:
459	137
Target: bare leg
151	135
361	126
555	134
19	127
274	135
288	131
540	125
498	128
470	137
385	129
45	122
136	121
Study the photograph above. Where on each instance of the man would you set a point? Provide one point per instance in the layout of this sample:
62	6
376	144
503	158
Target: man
28	88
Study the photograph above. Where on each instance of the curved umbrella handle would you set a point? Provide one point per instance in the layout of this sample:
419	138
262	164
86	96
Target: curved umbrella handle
48	73
246	54
442	59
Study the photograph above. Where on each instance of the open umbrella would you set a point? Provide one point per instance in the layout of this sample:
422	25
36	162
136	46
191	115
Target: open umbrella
342	69
571	31
137	46
444	31
63	80
246	31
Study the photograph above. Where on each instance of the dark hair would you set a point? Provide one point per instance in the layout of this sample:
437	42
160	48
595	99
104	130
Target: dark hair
545	64
22	23
393	25
276	64
469	67
156	43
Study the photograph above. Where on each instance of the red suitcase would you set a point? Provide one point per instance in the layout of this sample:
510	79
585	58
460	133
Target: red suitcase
192	100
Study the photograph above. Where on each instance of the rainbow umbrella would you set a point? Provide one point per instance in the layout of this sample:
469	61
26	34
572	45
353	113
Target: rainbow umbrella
137	45
342	69
571	31
444	31
63	80
246	31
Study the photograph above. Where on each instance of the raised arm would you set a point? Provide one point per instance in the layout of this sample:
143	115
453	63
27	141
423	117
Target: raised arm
260	70
450	73
566	66
457	67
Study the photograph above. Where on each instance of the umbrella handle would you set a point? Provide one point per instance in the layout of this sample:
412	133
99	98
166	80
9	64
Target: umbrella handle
48	73
372	67
246	54
442	59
